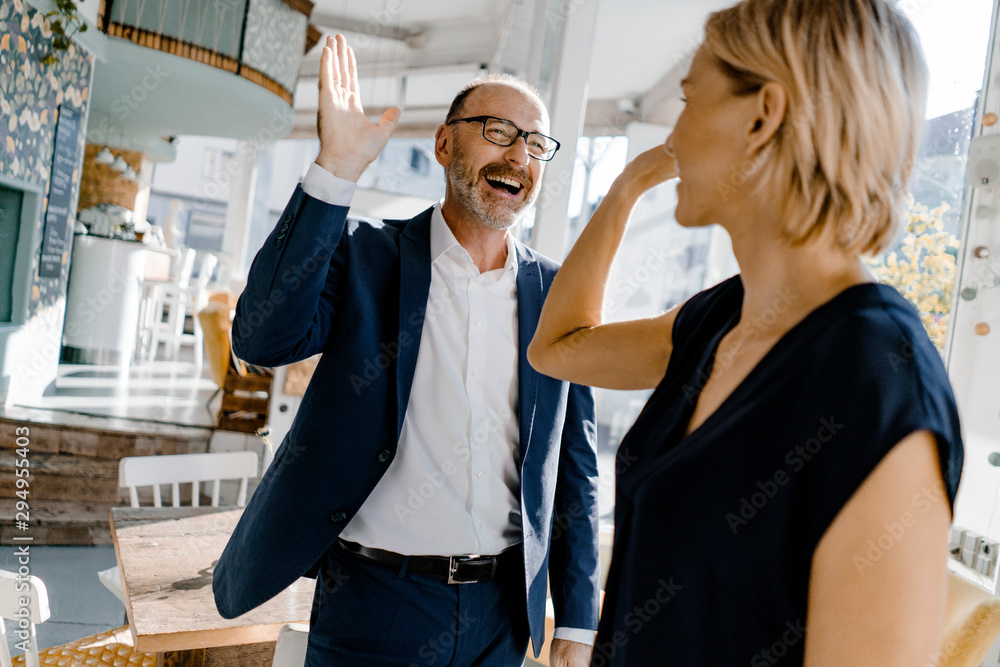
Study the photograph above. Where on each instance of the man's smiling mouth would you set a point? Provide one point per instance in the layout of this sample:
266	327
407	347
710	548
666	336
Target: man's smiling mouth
505	184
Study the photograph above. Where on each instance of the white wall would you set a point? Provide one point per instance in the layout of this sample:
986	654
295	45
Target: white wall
186	175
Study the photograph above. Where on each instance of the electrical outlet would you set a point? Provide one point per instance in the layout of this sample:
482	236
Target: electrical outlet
974	551
984	161
986	557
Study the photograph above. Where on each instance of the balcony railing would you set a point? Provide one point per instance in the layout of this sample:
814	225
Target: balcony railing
260	40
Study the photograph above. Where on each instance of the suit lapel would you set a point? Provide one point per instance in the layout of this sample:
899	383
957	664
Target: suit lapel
529	307
414	286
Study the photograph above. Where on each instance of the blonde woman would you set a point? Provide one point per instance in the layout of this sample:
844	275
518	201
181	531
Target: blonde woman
785	495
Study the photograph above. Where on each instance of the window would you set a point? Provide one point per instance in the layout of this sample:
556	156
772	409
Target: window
922	264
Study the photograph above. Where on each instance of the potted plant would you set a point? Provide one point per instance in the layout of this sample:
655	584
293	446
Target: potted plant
65	22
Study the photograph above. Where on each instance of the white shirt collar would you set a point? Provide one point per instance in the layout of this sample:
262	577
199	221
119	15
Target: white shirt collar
443	240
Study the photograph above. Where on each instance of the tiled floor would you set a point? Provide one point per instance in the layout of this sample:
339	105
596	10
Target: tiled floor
80	605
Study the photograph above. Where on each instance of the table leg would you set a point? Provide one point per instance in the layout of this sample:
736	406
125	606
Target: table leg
192	658
244	655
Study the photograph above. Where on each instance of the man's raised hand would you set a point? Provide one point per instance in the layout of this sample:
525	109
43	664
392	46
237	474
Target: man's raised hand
348	141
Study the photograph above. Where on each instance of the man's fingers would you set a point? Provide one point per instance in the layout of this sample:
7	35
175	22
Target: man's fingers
353	69
342	70
326	66
389	119
335	60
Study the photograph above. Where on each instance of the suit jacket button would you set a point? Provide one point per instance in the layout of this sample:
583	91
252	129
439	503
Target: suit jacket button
384	456
338	517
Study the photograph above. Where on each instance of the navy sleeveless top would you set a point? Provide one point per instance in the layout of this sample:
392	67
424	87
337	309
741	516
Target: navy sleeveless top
715	531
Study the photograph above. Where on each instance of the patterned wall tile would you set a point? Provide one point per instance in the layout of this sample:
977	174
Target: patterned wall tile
30	96
275	40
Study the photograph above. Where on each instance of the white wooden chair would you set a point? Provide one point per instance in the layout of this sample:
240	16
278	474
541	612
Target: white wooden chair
176	469
25	602
186	297
290	649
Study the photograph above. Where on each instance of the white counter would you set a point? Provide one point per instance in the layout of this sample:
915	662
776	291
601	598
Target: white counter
103	298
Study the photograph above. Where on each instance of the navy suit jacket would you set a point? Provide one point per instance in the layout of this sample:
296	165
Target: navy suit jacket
356	290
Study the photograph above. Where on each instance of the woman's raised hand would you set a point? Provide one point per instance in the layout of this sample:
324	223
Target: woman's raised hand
348	141
648	169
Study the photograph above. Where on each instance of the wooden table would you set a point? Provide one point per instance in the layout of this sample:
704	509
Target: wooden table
166	557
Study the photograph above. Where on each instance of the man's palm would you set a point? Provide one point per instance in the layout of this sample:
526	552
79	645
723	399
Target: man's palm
348	141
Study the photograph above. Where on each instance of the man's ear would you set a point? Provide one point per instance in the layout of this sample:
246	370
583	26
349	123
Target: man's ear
771	106
442	145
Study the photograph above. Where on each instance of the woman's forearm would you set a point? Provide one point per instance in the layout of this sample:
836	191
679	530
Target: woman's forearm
577	294
572	342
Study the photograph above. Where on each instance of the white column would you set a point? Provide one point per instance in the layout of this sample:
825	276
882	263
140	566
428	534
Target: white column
243	169
568	107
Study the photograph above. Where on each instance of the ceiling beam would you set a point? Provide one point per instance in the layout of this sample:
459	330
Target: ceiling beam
661	104
415	38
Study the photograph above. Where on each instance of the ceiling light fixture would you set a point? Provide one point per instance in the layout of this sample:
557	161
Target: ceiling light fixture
105	156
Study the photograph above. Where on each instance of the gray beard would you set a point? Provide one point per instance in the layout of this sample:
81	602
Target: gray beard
493	214
489	213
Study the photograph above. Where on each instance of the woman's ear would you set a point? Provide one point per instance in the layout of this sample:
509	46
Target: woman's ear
772	103
442	145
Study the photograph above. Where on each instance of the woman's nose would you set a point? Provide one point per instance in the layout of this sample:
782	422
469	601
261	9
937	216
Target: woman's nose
670	145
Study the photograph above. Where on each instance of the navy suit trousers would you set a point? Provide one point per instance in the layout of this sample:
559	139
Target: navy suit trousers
367	613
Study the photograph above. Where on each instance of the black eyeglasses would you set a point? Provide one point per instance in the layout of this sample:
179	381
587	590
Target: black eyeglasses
504	133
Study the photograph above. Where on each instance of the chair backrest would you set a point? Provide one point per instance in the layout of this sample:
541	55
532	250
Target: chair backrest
24	600
185	267
205	271
290	649
215	325
177	469
972	624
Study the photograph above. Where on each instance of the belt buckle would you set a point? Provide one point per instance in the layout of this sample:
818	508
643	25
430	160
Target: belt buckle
453	562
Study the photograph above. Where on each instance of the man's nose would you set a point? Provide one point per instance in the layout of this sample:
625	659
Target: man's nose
517	152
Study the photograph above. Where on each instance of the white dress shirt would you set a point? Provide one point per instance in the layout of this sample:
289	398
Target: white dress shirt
454	486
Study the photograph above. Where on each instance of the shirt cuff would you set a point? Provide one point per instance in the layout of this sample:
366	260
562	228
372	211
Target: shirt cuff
575	635
324	186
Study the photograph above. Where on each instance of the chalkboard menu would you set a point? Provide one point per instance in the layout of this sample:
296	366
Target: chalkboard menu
64	161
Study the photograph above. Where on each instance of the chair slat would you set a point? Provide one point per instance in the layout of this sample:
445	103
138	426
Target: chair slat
196	469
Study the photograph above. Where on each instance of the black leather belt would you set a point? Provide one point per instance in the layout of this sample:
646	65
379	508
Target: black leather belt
454	569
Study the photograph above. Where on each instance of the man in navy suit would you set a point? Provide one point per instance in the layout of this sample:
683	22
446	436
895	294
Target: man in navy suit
432	480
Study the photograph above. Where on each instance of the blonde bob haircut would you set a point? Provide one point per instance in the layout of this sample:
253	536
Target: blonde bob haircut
856	82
